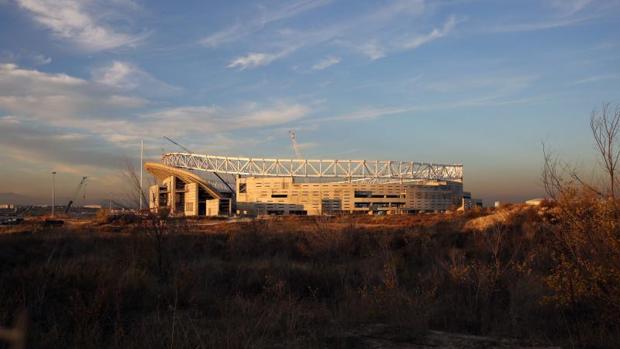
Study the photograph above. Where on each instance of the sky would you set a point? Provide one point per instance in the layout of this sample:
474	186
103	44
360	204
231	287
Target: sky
481	83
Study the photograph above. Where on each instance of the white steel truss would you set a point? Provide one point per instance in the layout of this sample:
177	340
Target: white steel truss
347	169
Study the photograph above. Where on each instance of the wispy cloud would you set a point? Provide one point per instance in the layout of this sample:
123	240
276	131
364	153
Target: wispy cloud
74	125
326	63
437	33
238	31
11	72
368	113
597	78
97	107
58	99
128	77
293	40
258	59
186	120
252	60
541	25
569	7
503	83
24	56
564	13
372	50
81	22
346	34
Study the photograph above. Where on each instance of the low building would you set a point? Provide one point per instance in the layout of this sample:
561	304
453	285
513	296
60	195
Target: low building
469	202
535	202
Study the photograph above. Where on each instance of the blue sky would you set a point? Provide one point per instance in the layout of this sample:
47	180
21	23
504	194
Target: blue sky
481	83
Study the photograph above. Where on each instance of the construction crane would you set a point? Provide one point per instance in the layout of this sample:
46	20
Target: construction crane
76	193
191	152
293	136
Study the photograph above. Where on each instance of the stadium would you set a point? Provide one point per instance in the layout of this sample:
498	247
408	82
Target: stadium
208	185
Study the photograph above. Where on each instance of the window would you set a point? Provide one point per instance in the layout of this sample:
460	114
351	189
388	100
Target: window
279	195
189	206
243	187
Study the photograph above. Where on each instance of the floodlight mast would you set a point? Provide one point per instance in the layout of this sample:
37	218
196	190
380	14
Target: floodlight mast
141	171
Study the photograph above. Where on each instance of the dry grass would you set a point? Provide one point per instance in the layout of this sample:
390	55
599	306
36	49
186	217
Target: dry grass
287	282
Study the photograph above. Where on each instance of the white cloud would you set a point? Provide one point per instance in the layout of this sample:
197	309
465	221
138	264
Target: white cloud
72	125
128	77
497	83
326	63
564	13
372	50
570	7
81	22
368	113
436	33
40	59
238	31
25	56
9	120
64	102
254	60
198	119
597	78
11	72
58	99
540	25
117	74
369	22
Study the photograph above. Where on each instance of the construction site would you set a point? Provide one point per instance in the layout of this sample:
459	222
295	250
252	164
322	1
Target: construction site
190	184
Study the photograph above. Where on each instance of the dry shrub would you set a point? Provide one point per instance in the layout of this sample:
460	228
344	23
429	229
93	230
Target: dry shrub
585	276
282	283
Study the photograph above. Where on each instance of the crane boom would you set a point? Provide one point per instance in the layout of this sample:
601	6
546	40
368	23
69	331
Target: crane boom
293	137
75	194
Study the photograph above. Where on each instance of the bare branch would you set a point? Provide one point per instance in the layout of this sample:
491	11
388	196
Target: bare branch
132	179
605	126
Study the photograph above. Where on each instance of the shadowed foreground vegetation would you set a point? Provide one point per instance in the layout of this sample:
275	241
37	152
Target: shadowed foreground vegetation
302	282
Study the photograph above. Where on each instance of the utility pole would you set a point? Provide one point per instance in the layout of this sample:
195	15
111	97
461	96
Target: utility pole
53	193
141	169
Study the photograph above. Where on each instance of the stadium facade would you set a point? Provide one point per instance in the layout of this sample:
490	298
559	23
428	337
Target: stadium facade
257	186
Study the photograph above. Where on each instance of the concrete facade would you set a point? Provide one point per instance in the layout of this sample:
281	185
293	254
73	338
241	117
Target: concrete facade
269	195
184	193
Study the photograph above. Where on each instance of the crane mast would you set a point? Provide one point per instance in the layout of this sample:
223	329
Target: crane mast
293	137
75	194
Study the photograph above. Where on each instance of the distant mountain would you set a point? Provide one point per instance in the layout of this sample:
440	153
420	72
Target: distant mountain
17	199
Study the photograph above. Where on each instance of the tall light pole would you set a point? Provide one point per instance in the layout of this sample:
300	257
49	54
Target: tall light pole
141	167
53	193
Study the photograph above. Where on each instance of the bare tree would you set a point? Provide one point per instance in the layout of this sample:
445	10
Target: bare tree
558	176
583	226
551	175
605	125
134	191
